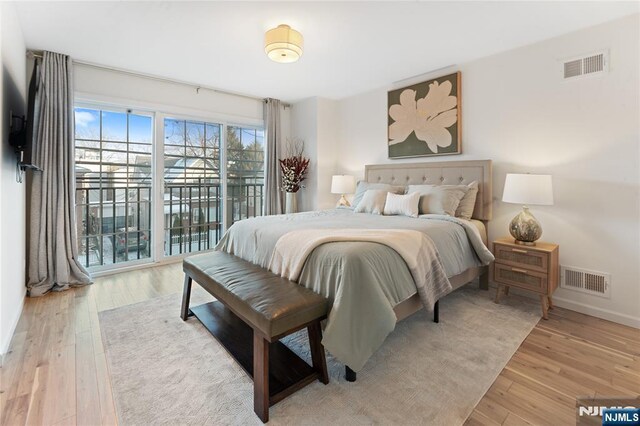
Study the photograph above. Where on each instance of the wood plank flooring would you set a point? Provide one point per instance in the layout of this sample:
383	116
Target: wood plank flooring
56	370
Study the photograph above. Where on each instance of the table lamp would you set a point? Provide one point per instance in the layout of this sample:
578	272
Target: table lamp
343	184
527	190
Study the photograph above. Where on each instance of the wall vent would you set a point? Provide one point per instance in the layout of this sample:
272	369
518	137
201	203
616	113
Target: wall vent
594	63
585	281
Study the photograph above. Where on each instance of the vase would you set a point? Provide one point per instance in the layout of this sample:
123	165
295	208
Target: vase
291	202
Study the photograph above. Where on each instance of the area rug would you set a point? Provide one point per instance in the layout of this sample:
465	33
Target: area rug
166	371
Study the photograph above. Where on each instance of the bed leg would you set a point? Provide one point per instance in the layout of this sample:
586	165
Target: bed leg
484	278
185	312
349	374
436	312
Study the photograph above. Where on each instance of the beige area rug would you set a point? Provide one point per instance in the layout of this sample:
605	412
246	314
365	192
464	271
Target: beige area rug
166	371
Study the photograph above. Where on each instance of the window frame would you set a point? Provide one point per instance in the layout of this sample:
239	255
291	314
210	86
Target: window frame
100	269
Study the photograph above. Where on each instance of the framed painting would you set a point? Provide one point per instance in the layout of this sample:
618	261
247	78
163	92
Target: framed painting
424	119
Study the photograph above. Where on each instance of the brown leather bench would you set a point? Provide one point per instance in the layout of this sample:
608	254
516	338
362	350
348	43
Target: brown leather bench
254	309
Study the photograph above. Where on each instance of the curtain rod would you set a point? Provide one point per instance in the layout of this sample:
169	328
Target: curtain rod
198	87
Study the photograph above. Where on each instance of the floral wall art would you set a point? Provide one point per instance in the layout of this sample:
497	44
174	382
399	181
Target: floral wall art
424	119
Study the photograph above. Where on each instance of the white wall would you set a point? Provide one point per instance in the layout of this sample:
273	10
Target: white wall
313	120
12	194
304	126
102	85
518	112
328	151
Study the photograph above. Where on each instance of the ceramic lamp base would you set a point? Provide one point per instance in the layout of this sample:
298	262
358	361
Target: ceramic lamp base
525	228
343	202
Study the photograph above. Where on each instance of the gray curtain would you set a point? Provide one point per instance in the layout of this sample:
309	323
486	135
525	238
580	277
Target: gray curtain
53	247
272	193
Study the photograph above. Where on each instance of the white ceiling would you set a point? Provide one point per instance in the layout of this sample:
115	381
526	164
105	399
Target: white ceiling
349	47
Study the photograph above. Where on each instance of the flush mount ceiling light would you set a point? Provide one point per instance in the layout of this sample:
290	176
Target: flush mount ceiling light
283	44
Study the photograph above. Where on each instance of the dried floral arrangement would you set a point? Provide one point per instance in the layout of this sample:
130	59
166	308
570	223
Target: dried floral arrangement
294	166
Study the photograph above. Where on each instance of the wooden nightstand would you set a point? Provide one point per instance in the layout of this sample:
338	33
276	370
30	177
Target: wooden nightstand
532	268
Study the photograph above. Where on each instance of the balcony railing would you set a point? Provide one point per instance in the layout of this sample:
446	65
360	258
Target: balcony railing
114	224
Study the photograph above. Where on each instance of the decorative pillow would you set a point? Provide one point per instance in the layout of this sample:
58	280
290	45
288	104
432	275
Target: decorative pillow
468	202
439	199
404	205
364	186
372	201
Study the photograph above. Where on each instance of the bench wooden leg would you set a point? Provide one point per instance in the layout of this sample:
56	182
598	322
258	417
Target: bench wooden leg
317	351
261	377
186	296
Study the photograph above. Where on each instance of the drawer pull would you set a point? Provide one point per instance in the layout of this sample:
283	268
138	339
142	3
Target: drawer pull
522	271
519	251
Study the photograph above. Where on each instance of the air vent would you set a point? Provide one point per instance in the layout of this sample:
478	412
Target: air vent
585	281
595	63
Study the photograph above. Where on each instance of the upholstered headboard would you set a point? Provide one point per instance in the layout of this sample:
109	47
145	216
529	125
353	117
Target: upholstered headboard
439	173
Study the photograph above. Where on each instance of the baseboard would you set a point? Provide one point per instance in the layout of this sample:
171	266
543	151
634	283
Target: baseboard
583	308
597	312
4	346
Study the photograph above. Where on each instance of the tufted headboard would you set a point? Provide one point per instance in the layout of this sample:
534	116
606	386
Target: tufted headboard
439	173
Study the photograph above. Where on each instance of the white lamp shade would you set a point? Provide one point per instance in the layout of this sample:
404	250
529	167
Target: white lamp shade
343	184
528	189
283	44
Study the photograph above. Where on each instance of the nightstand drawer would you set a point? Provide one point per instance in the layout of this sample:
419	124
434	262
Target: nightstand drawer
522	258
518	277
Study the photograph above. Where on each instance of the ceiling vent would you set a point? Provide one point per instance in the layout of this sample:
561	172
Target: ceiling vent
585	281
595	63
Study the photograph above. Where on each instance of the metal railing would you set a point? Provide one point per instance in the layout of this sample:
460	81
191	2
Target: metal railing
114	224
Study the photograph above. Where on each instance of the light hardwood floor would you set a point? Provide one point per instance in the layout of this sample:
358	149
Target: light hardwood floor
56	370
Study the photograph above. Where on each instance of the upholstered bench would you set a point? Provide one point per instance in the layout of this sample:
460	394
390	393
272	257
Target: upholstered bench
254	309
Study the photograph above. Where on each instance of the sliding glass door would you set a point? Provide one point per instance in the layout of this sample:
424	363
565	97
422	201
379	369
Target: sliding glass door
113	186
192	186
245	172
147	191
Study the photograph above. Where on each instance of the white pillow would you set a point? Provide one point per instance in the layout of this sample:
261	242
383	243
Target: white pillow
372	201
439	199
404	205
468	202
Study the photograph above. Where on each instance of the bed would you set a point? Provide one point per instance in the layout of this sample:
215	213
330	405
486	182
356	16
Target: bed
369	284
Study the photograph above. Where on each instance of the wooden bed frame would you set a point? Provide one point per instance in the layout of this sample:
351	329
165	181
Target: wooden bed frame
438	173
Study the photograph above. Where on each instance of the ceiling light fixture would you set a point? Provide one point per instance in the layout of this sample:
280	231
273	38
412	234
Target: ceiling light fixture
283	44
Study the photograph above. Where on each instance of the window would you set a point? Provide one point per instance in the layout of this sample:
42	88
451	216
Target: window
192	191
113	186
141	197
245	172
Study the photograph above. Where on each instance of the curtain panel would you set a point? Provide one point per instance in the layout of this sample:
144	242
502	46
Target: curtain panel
53	247
272	194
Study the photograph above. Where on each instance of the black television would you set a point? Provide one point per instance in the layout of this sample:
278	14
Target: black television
21	134
18	134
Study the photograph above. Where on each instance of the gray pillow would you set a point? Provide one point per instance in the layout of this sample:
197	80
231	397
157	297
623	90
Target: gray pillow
372	201
364	186
439	199
468	202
